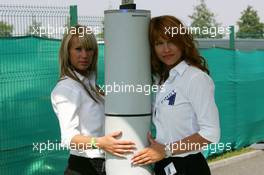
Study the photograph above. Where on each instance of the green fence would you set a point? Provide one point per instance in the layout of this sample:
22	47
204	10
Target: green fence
22	20
44	21
29	71
239	82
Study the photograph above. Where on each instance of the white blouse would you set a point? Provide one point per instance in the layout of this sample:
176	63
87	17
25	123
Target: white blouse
185	105
78	113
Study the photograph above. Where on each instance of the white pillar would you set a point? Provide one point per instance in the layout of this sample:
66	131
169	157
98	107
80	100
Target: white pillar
127	69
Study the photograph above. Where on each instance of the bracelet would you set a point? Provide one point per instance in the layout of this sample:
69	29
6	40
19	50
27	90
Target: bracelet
93	143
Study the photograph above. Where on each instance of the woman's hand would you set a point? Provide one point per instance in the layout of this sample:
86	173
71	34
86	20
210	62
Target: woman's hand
155	152
111	144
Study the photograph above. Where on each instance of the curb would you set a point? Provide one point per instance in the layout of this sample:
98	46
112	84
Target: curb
258	146
228	161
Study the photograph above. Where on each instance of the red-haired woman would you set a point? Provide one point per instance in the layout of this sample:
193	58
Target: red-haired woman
185	114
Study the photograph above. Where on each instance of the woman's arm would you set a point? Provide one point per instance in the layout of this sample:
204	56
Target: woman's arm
156	151
108	143
66	102
201	95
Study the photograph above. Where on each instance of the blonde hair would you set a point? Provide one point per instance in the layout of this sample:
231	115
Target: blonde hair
87	41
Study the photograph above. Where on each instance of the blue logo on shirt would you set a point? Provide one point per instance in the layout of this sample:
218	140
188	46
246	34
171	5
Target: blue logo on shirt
171	98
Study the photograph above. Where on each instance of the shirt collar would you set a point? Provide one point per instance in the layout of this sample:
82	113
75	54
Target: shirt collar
81	77
179	68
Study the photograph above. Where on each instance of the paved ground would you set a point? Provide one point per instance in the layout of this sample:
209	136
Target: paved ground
251	163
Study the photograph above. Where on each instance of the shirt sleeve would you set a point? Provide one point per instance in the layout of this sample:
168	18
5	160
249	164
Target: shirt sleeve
66	103
201	94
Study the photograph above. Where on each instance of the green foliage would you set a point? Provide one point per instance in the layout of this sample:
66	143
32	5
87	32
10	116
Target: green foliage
229	154
67	25
5	29
250	25
100	36
204	20
35	29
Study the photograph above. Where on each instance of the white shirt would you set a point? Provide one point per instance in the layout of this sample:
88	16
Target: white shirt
78	113
185	105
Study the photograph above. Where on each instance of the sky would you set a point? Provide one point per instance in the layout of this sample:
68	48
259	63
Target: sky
227	11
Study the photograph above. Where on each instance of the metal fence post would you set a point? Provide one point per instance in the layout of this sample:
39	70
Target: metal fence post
232	37
73	15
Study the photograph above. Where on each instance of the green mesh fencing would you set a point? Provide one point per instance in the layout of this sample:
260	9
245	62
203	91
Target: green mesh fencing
239	83
29	71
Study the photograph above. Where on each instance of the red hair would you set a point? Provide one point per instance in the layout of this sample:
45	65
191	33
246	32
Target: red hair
159	28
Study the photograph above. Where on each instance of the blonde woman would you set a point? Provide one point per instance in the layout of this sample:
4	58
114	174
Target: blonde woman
80	107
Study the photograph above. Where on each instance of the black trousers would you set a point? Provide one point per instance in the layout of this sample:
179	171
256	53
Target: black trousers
194	164
85	166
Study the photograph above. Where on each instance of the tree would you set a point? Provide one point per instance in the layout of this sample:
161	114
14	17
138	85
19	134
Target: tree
100	36
67	25
5	29
249	24
203	23
36	29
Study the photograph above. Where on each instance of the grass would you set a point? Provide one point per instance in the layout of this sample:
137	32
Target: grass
229	154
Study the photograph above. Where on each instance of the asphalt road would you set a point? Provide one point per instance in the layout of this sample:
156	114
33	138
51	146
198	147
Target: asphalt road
248	165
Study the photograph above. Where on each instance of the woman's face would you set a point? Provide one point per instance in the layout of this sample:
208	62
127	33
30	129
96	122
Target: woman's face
80	57
167	52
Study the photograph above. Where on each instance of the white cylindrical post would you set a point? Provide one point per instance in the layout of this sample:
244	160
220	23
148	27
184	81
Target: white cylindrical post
127	83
